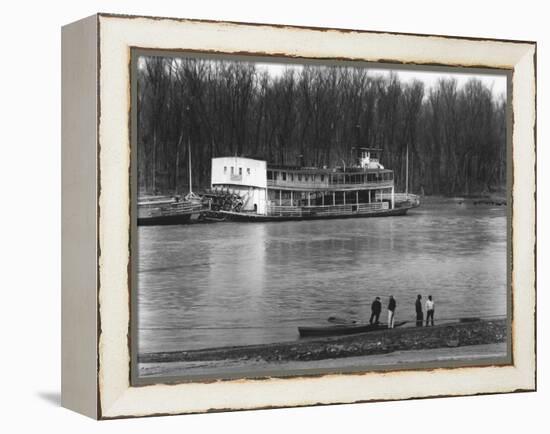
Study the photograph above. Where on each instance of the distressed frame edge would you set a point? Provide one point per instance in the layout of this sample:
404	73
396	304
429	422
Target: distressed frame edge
529	385
305	27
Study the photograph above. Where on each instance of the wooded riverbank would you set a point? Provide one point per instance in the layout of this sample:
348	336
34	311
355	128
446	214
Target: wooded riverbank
452	137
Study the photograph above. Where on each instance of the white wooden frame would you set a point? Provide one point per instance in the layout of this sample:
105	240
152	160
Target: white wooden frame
96	216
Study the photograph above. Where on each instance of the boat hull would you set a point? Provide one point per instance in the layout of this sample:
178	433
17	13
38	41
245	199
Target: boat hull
338	330
164	220
167	212
250	217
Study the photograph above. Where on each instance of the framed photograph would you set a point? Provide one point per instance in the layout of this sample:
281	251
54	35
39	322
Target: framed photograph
261	216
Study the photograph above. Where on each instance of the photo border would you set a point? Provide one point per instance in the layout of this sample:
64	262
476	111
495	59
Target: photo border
136	380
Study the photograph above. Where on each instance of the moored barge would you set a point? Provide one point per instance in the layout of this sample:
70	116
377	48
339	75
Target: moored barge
168	210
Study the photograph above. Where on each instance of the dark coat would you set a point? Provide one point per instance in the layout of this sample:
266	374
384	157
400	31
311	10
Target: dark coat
376	306
418	306
392	304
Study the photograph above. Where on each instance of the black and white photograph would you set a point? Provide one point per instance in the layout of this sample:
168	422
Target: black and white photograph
244	217
294	217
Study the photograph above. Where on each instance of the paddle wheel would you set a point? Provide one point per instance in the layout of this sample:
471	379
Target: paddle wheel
221	200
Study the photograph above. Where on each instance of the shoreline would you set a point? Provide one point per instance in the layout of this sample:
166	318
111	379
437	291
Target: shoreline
361	344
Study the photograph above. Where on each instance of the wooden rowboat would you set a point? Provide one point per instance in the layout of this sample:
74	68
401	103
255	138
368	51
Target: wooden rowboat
343	329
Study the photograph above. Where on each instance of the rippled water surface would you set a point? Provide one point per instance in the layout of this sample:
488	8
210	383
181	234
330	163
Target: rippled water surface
211	285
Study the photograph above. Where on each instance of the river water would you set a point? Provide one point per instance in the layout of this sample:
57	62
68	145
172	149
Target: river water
212	285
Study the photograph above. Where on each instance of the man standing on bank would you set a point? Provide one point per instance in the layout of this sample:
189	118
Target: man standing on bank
430	310
376	308
391	312
419	313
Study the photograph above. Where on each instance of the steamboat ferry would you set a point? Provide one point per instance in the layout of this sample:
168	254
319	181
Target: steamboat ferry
273	193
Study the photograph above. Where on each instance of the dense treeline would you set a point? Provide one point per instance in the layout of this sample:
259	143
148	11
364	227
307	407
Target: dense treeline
456	136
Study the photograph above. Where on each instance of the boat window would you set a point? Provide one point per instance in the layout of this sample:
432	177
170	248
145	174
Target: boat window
269	174
248	170
322	178
299	177
284	175
240	170
224	169
291	176
232	170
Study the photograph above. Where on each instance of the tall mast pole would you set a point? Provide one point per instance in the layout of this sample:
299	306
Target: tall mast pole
190	173
187	109
407	172
177	168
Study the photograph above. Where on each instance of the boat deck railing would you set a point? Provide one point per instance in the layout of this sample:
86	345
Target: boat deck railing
326	186
326	210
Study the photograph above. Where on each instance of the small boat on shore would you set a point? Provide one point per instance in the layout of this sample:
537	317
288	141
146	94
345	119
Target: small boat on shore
343	329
